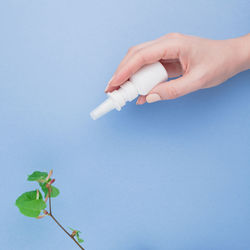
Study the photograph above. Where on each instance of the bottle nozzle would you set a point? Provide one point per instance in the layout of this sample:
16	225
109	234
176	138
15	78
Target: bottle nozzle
102	109
139	83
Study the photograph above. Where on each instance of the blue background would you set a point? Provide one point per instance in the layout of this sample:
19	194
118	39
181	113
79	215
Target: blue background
171	175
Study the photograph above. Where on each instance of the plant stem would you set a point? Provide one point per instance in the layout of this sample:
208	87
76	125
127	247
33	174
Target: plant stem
49	192
56	221
65	231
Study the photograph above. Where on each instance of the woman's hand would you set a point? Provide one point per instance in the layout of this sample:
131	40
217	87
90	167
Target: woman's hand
201	63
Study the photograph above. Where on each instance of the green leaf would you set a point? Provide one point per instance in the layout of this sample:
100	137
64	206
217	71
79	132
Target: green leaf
38	176
77	235
29	205
54	191
80	240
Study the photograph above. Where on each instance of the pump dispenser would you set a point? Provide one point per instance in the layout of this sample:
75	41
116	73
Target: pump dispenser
139	84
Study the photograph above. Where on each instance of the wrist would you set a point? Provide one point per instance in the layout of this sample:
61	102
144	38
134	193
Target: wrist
241	50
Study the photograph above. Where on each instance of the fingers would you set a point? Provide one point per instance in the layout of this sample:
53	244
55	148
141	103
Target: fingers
173	89
135	49
131	52
151	53
170	90
141	100
173	67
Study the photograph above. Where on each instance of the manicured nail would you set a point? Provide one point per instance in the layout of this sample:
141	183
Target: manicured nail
139	101
153	98
109	83
106	88
111	80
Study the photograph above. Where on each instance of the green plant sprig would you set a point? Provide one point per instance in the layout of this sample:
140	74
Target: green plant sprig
32	203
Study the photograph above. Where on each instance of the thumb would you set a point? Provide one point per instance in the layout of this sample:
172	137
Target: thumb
172	89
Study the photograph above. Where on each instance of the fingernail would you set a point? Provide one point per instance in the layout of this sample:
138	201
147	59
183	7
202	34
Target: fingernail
109	83
153	98
111	80
139	101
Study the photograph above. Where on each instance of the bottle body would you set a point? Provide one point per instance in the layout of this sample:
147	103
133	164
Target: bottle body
148	77
139	83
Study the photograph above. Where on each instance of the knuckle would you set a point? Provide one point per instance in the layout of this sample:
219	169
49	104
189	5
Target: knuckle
141	57
132	49
172	92
174	35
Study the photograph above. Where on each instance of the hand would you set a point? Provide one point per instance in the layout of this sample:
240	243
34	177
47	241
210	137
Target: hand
201	63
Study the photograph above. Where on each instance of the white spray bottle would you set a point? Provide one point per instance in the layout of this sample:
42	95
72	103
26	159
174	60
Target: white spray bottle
139	84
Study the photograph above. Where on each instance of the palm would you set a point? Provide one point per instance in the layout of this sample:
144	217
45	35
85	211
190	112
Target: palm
173	67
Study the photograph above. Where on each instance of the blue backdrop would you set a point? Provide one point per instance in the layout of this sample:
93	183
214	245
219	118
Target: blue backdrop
172	175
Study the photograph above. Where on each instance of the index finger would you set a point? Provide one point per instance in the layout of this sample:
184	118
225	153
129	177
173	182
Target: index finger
150	54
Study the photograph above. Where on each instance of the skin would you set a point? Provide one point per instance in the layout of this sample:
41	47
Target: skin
197	62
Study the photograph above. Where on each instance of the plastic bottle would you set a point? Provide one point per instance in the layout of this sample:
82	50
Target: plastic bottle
139	84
